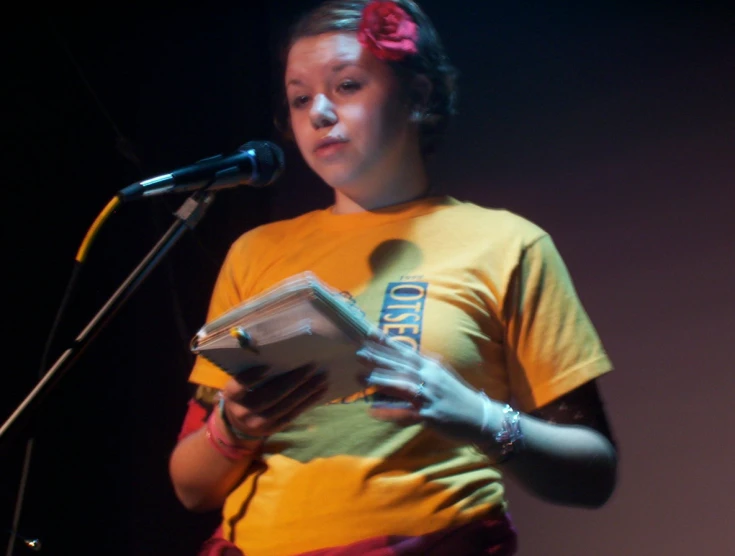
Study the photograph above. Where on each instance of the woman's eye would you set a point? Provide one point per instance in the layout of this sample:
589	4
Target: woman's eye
349	86
299	101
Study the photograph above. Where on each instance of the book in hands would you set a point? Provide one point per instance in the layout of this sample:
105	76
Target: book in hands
297	322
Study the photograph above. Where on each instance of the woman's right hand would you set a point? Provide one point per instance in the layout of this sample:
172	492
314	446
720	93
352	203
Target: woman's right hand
258	408
202	477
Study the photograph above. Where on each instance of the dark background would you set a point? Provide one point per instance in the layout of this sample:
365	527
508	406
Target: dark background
610	124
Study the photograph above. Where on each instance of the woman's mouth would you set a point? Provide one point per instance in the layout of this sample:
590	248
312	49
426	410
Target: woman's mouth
329	146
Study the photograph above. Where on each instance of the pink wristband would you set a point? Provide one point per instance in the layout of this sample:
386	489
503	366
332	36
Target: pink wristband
220	443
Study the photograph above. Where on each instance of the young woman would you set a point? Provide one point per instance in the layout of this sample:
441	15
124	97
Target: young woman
477	312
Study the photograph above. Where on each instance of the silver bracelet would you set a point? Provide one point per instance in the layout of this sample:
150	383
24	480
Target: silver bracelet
510	437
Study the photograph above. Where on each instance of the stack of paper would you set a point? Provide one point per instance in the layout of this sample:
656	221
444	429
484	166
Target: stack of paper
297	322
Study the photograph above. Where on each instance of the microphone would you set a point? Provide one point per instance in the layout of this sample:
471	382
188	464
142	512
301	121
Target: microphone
256	163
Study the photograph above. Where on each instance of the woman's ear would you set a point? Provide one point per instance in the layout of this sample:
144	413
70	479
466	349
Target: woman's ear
420	95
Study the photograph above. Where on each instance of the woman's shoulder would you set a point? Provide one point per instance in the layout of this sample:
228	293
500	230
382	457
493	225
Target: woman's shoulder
498	222
274	232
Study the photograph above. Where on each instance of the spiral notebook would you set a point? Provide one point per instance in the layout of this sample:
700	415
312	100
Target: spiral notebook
299	321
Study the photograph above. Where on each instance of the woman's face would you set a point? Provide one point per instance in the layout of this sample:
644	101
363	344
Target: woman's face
348	112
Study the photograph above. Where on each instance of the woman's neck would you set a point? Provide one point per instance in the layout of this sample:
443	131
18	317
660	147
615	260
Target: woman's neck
344	204
408	184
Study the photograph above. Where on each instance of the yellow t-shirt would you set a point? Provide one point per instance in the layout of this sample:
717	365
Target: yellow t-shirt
484	289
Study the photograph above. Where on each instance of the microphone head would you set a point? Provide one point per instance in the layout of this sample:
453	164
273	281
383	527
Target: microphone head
269	159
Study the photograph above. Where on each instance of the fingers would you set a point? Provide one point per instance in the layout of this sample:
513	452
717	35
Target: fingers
386	368
386	345
394	355
391	347
301	404
296	400
263	410
403	416
262	391
373	358
241	383
275	391
390	372
252	376
393	384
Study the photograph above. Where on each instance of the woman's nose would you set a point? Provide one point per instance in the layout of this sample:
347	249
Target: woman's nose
322	112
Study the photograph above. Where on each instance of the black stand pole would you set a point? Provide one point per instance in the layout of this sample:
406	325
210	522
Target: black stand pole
188	215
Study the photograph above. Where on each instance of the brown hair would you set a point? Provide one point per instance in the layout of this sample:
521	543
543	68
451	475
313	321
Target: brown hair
430	61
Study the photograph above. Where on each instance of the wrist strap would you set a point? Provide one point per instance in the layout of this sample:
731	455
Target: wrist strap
220	443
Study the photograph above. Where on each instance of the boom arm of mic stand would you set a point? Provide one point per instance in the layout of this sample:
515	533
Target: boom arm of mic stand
188	215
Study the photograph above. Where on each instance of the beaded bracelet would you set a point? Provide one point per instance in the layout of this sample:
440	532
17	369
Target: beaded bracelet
220	443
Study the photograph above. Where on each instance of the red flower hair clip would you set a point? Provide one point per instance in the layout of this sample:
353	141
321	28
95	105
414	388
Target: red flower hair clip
388	31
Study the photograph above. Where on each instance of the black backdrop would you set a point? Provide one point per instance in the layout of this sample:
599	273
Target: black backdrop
104	96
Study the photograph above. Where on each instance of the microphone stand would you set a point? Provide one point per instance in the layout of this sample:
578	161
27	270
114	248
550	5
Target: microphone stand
188	216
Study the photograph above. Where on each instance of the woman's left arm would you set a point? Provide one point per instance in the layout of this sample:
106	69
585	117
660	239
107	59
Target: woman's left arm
567	454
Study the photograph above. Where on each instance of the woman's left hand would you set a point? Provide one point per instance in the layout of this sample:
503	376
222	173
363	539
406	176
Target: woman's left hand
427	390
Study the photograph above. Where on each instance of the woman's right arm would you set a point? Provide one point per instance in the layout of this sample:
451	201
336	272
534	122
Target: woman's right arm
202	476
